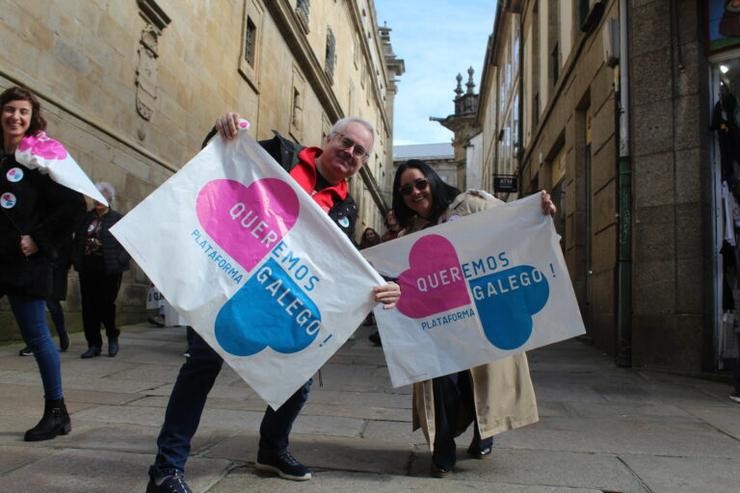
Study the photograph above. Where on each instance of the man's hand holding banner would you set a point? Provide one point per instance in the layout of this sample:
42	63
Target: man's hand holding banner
253	264
475	290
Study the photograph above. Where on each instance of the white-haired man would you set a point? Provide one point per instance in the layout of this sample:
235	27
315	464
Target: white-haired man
323	173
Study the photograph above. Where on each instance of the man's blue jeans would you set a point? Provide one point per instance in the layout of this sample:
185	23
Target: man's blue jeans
188	399
30	313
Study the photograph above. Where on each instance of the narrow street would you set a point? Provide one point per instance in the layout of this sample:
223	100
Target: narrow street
602	428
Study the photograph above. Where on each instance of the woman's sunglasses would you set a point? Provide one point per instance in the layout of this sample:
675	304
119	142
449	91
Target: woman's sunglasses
420	184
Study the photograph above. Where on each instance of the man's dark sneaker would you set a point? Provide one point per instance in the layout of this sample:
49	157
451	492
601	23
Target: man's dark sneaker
439	471
735	396
174	483
26	351
284	465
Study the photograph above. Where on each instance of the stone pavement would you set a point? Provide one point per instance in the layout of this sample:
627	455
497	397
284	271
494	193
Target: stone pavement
602	428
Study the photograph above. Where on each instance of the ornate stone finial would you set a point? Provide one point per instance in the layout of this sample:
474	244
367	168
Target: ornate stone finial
470	85
458	89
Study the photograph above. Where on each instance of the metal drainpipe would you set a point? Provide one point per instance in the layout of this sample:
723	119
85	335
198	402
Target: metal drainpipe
624	265
520	109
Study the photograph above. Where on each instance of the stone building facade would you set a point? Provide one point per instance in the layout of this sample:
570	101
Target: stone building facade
132	87
440	156
615	105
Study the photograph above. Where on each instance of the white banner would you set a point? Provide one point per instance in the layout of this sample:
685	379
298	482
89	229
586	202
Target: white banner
474	290
49	156
252	263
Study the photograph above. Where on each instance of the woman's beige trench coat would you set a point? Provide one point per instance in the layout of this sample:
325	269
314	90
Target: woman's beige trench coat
503	392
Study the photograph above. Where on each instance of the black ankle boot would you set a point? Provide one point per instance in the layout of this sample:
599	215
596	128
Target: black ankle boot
112	346
91	352
64	341
54	422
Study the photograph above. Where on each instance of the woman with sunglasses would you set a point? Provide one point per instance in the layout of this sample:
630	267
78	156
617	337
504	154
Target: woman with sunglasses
495	397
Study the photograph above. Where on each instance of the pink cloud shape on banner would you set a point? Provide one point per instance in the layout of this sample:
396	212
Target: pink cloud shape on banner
43	146
247	221
434	282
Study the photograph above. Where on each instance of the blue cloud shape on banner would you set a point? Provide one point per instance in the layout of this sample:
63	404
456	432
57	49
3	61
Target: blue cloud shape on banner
269	311
506	302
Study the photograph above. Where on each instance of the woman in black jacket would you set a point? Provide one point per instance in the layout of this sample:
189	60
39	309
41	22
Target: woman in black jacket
100	260
36	214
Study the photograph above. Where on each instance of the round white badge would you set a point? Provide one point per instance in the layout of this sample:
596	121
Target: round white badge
344	222
7	200
14	175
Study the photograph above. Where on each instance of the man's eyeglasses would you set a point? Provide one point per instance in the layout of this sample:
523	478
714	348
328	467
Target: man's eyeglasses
357	150
420	184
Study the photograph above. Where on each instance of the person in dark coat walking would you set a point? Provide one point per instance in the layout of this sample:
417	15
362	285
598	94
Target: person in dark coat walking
36	214
101	261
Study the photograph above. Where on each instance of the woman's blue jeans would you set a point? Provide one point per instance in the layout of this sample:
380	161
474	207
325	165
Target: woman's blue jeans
30	313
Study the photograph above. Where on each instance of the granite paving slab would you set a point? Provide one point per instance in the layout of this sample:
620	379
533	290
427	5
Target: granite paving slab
603	472
75	471
245	479
687	474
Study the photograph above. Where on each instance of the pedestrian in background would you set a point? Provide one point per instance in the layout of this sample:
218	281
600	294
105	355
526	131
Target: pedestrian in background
36	215
370	237
393	228
495	397
100	261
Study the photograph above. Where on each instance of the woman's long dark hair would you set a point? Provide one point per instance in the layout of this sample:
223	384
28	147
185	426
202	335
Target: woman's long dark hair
442	194
17	93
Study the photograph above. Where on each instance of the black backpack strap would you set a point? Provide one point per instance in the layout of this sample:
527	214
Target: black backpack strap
282	150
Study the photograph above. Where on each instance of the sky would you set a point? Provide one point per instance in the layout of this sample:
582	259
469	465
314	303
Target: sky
437	39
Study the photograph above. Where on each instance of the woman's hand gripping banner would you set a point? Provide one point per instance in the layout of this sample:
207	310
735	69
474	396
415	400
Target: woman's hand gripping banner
474	290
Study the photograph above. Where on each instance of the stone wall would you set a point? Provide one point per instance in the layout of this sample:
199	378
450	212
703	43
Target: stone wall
132	95
672	189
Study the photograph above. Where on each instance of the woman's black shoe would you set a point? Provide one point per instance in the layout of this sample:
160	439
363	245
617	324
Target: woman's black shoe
439	472
54	422
479	449
26	351
91	352
375	338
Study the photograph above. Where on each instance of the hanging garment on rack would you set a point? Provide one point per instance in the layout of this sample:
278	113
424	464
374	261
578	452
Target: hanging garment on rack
727	343
729	212
725	123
